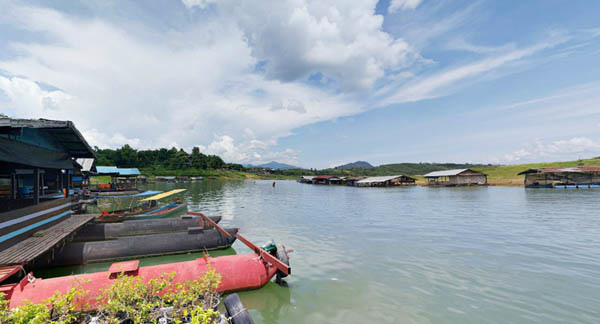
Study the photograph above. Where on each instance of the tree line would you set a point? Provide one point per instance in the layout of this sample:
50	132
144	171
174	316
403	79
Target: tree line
169	159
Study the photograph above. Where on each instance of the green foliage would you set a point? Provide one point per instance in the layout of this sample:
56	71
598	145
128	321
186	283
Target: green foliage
130	298
170	159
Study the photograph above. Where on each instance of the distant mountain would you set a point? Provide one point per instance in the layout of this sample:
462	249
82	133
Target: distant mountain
355	165
272	165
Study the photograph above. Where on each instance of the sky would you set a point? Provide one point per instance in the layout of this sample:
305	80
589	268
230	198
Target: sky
313	83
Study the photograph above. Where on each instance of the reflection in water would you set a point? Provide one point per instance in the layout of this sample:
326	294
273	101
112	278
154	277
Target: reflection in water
415	254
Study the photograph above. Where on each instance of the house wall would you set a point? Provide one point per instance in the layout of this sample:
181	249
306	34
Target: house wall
468	179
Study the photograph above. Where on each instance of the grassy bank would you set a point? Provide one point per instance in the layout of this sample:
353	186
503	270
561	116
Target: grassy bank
506	175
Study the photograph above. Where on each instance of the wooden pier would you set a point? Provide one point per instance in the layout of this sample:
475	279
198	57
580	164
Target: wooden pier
42	241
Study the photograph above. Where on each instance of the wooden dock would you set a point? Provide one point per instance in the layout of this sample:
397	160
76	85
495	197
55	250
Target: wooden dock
41	242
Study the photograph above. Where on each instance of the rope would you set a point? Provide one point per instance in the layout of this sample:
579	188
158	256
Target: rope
236	314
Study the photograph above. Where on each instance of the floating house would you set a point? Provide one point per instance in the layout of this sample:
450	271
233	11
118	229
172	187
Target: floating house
386	181
37	159
328	180
457	177
166	178
305	179
321	179
577	177
121	178
352	181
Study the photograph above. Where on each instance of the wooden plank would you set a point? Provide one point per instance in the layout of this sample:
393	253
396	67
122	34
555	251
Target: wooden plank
33	209
6	272
32	247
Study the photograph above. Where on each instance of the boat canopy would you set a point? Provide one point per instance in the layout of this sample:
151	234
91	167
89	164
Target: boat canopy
140	194
164	194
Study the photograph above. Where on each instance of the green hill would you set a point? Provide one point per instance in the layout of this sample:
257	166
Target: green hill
507	174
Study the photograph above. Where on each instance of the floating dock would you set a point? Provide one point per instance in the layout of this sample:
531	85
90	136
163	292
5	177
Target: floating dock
29	249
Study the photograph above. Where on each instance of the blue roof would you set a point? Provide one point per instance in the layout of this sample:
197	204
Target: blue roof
119	171
129	171
107	169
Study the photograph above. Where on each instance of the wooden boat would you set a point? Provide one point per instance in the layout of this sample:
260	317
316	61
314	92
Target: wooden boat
152	211
195	239
109	231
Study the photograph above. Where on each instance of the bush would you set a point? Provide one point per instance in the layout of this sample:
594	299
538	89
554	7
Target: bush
128	298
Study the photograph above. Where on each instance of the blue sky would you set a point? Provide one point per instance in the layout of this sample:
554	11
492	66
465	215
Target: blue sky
313	83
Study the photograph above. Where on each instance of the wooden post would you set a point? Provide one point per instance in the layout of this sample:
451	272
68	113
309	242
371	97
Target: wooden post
60	179
65	183
36	186
13	186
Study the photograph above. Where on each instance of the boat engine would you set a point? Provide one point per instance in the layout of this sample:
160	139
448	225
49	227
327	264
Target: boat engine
278	251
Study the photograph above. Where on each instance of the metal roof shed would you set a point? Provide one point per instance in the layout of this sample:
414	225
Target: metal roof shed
456	177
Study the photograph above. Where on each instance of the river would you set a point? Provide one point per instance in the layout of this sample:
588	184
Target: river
413	254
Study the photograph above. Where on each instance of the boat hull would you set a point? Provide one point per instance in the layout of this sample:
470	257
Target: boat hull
196	239
238	272
100	232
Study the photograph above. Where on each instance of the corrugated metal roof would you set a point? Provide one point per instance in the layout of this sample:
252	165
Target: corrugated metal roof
307	177
322	177
379	179
128	171
444	173
563	170
86	164
63	131
107	170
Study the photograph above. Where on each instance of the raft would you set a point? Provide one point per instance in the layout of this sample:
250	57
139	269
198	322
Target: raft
194	240
107	231
238	272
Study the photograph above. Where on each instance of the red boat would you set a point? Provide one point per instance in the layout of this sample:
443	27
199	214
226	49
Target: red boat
238	272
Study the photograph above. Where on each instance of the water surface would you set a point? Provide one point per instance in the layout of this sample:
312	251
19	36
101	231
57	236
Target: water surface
415	254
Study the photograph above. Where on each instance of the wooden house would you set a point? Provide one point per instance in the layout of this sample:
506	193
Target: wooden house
457	177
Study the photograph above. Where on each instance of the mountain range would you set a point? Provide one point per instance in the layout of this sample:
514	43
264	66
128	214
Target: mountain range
272	165
355	165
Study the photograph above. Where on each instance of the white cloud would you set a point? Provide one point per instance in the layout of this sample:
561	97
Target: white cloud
198	3
342	40
153	89
439	84
568	148
396	5
254	151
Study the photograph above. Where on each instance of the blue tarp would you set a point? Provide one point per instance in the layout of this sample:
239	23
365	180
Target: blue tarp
129	171
107	169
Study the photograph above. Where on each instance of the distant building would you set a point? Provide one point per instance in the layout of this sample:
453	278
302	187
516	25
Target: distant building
386	181
352	181
458	177
323	179
121	178
305	179
165	178
579	177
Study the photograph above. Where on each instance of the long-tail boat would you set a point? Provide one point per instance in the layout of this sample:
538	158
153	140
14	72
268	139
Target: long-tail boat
153	210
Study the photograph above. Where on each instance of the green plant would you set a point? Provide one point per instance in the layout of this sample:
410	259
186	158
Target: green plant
130	298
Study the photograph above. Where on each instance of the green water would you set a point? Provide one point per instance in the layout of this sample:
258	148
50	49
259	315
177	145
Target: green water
412	255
